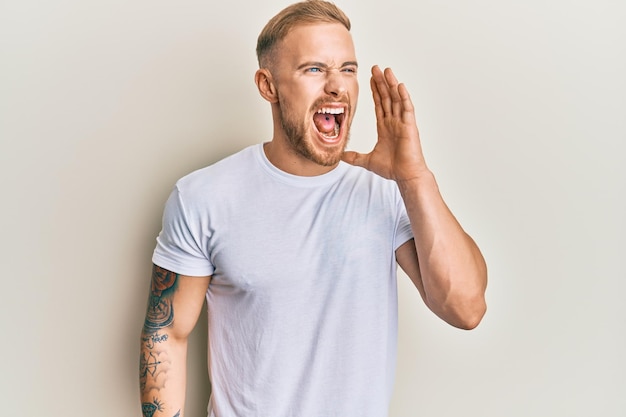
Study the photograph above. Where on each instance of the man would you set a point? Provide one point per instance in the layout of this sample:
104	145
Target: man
294	243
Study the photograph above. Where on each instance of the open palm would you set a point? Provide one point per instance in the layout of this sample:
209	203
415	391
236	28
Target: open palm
397	154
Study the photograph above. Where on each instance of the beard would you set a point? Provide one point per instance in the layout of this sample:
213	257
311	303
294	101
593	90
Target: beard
299	136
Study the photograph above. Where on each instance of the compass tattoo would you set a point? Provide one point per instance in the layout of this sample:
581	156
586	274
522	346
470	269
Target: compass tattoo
153	360
160	312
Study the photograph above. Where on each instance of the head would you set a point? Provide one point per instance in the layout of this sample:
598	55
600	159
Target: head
308	74
302	13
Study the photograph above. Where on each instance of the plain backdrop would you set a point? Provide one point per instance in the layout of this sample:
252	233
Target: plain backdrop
522	112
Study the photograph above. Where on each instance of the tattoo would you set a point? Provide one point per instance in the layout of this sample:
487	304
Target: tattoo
148	409
151	339
160	312
154	362
147	365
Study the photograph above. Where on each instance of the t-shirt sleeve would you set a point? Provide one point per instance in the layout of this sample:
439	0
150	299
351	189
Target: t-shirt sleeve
403	227
179	246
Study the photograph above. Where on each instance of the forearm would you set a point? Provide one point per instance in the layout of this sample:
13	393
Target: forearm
163	355
452	270
162	374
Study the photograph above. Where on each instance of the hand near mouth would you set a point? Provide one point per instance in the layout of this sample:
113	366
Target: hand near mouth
397	154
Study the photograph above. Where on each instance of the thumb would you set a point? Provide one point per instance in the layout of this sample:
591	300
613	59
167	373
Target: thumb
355	158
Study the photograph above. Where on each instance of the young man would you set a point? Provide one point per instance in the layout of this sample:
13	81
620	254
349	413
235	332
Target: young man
294	243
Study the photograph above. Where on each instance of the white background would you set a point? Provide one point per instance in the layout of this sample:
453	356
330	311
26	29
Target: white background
522	111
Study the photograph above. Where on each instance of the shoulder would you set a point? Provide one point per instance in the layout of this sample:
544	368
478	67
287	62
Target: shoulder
222	173
367	180
215	185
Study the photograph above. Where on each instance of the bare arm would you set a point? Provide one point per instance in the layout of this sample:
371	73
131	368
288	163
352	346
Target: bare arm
452	278
443	262
174	305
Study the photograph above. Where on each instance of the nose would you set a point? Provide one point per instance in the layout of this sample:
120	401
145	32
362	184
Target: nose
335	84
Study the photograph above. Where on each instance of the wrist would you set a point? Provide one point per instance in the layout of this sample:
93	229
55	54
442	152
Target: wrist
418	187
415	177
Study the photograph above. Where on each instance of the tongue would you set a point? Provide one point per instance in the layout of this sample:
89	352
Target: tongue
325	123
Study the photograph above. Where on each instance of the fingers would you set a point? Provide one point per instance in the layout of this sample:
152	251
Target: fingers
392	83
391	98
355	158
407	104
385	91
378	105
380	92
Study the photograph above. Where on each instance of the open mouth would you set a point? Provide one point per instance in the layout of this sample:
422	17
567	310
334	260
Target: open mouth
328	121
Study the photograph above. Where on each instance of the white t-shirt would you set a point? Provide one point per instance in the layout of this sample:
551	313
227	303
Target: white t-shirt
302	304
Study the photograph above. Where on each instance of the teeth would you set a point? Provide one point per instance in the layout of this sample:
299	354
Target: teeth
326	110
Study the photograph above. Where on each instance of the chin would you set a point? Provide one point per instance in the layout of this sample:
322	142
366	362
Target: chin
326	155
309	143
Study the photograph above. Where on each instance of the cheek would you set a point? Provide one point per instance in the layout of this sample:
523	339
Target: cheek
301	98
355	91
354	98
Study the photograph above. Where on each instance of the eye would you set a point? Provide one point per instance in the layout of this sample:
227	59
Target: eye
314	69
350	70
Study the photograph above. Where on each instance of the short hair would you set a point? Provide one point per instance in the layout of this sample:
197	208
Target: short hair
304	12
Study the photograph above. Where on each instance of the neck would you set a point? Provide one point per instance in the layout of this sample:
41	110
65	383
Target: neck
283	157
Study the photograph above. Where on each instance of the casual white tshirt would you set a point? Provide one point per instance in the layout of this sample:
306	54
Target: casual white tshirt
302	305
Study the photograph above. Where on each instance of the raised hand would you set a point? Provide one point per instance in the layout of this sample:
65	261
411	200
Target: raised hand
397	154
443	261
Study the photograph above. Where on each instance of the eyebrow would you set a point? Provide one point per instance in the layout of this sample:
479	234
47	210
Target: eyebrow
323	65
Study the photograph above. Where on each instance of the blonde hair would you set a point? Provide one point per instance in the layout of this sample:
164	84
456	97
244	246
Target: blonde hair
304	12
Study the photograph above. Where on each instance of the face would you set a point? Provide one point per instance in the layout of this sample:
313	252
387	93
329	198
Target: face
315	73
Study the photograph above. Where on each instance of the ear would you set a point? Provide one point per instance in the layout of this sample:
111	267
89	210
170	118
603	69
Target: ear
265	83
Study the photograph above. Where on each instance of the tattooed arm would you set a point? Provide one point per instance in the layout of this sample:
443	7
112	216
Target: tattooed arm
174	305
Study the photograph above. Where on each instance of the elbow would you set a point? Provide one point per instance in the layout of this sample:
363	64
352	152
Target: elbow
472	320
471	316
471	303
464	314
462	303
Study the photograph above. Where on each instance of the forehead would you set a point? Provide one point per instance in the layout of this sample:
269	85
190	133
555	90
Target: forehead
324	42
